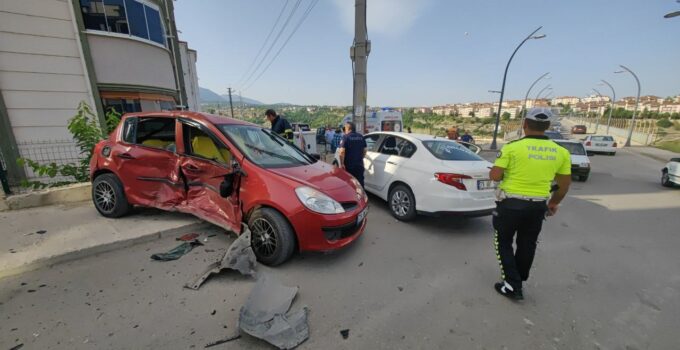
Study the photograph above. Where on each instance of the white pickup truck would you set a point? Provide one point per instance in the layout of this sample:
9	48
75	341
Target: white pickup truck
304	138
670	174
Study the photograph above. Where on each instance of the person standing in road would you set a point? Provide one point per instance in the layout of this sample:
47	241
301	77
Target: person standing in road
280	125
452	133
337	138
352	152
526	169
467	137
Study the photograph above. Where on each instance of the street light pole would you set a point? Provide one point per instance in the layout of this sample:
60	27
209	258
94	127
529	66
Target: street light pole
597	125
611	109
505	75
548	87
637	102
524	105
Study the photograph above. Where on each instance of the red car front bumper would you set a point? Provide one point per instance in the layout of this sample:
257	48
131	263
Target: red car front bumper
319	232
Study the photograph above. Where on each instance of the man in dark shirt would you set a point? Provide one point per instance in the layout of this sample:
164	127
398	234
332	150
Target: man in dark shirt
280	125
352	152
467	137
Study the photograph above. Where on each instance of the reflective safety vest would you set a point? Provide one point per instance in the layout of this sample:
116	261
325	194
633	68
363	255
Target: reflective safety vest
531	164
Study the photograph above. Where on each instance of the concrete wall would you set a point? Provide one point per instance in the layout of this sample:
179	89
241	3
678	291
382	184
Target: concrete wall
42	74
188	58
131	62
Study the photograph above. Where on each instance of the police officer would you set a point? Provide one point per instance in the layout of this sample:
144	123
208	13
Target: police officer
526	169
352	152
280	125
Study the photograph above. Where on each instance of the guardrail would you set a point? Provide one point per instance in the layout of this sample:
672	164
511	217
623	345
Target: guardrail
644	132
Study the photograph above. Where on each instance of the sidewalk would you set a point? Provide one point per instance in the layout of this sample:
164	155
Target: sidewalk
77	230
655	153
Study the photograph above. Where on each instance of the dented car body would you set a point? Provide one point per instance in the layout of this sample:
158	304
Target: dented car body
228	172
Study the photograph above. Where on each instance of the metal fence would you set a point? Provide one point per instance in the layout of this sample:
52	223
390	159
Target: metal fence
59	152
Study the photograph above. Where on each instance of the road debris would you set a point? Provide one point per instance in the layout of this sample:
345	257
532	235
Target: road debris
187	237
344	333
17	347
222	341
41	232
265	315
239	257
177	252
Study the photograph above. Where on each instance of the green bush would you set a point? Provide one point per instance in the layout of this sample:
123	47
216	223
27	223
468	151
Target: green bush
664	123
84	127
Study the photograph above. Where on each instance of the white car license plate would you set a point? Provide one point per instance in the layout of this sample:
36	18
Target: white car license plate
362	216
485	185
601	145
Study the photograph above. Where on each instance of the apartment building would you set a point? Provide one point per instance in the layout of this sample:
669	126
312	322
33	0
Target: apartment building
120	54
566	100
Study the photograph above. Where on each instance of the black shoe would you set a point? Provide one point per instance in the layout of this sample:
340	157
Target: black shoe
503	290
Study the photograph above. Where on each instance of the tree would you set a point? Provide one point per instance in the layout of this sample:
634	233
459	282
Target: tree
471	114
506	116
664	123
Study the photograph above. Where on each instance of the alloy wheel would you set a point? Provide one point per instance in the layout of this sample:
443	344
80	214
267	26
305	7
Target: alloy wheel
264	238
105	197
401	203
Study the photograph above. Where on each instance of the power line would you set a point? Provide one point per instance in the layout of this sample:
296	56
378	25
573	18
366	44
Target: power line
302	19
245	72
285	24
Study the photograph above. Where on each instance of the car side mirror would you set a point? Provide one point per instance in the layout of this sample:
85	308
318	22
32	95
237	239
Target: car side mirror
316	156
227	186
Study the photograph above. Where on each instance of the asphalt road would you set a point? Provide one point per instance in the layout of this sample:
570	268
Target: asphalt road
606	276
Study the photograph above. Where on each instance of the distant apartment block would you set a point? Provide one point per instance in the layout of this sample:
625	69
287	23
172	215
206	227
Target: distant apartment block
566	100
120	54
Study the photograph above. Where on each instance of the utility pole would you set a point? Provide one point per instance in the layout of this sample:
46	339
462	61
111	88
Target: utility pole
231	105
240	101
359	54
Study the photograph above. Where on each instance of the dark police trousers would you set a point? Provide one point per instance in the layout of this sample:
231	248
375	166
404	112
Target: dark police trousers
357	172
523	219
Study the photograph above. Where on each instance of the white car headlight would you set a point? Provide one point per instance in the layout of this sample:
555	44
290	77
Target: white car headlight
317	201
585	165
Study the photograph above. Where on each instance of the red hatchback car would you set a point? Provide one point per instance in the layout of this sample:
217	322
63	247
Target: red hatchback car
228	172
578	129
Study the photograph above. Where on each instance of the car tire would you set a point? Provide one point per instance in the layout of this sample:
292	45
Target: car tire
272	237
108	196
402	203
583	178
612	153
666	179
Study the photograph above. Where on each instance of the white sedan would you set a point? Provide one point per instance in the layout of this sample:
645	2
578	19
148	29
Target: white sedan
421	174
670	174
600	144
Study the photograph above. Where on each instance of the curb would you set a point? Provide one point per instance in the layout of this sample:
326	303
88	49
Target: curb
66	194
99	249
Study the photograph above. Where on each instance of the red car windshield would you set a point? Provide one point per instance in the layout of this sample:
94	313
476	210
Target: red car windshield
264	148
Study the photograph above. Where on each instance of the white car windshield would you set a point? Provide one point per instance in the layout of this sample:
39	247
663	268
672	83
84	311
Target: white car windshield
264	148
449	150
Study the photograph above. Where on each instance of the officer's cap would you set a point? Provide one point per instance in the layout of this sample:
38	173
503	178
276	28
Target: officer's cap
540	114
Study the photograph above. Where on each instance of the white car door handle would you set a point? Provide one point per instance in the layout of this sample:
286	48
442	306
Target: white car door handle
391	162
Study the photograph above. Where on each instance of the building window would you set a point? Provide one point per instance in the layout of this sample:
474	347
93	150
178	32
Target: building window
122	105
133	17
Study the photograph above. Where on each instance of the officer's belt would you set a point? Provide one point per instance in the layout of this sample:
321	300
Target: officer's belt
526	198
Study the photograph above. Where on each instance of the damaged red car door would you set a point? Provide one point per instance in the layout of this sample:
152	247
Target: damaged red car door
206	162
147	163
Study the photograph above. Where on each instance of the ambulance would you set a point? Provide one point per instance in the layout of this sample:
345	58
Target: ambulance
385	119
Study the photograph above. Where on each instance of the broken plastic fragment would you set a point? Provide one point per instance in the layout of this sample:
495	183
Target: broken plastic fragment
222	341
176	252
187	237
265	315
239	257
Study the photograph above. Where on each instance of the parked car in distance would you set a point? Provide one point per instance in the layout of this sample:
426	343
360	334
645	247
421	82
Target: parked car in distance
578	129
422	174
600	144
554	135
228	172
580	163
670	174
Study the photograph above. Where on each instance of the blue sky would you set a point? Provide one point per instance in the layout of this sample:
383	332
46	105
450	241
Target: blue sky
429	52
